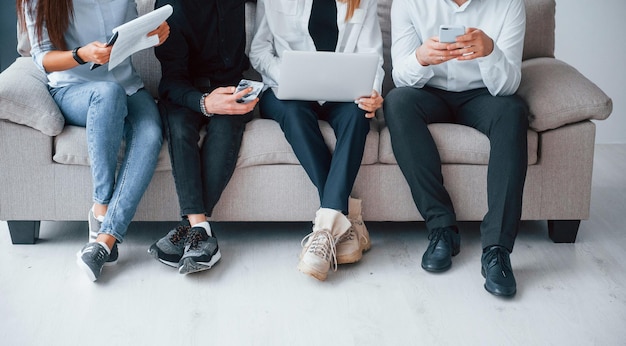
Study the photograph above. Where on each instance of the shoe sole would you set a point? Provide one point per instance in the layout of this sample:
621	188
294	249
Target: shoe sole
350	258
306	269
189	266
155	253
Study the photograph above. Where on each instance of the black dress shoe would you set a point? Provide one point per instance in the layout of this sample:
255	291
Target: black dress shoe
444	243
496	269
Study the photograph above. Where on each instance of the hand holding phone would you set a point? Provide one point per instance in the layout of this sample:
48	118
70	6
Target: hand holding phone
246	83
449	33
109	43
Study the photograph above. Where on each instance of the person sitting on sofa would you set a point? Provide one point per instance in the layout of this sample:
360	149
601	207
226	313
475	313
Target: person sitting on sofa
316	25
472	82
112	105
201	63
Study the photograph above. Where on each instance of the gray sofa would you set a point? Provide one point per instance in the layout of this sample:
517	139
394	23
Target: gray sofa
44	173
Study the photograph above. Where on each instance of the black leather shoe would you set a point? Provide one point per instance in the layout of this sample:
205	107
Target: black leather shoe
444	243
496	269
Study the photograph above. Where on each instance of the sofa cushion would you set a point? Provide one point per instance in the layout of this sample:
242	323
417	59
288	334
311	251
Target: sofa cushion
70	147
540	24
457	144
263	144
557	94
25	98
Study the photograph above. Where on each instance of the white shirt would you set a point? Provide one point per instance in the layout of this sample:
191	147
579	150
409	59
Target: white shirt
415	21
93	21
284	25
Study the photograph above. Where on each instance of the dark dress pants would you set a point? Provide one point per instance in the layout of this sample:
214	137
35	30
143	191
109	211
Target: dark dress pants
503	119
332	174
201	173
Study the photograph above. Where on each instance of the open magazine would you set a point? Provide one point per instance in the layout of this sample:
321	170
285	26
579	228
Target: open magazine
133	36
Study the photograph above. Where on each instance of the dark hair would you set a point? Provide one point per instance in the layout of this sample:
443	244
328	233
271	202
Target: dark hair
53	14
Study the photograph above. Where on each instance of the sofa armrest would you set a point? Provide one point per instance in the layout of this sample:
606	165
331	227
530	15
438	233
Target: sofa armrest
25	99
557	94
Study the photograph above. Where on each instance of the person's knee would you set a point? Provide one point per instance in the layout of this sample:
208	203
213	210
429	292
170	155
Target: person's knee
176	123
109	92
513	116
397	107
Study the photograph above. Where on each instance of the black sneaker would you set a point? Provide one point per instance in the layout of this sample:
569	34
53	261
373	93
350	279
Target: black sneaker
169	249
201	252
91	258
444	243
496	269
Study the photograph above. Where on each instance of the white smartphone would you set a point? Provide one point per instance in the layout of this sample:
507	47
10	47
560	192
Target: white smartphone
448	33
246	83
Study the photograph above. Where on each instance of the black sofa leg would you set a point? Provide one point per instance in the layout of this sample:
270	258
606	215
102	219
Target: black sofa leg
24	232
563	231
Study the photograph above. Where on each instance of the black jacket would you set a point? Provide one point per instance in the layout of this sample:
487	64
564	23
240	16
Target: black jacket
205	49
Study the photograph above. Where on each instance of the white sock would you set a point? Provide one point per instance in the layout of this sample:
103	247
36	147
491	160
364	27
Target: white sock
106	247
98	217
206	226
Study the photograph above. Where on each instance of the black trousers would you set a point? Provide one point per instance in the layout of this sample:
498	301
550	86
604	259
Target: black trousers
201	173
504	119
333	174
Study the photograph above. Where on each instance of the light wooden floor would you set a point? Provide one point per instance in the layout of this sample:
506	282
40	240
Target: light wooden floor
568	294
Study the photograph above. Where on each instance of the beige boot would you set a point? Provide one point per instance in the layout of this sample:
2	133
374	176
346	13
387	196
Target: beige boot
318	247
353	243
356	219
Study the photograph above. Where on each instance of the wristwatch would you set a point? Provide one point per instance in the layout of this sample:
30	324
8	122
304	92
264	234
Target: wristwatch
76	57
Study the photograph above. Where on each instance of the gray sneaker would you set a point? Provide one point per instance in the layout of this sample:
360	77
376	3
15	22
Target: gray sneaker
169	249
91	258
201	252
94	229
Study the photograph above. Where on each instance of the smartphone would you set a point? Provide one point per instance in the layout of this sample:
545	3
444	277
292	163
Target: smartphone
246	83
110	42
448	33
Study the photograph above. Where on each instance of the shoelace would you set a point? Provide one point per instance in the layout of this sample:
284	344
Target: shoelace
349	235
435	236
496	256
322	245
196	238
180	234
362	238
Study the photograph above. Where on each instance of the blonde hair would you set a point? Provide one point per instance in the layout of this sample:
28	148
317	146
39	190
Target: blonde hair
352	5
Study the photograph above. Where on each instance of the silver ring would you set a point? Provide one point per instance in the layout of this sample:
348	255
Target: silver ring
441	57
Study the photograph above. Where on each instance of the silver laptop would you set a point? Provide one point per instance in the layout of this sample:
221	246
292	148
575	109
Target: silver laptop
326	76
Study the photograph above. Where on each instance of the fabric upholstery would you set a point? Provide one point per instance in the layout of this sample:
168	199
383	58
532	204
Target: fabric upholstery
25	98
557	94
540	26
256	148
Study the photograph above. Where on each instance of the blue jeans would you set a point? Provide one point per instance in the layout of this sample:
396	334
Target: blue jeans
333	174
111	116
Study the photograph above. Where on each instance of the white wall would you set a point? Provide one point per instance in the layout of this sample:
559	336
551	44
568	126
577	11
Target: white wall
590	37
